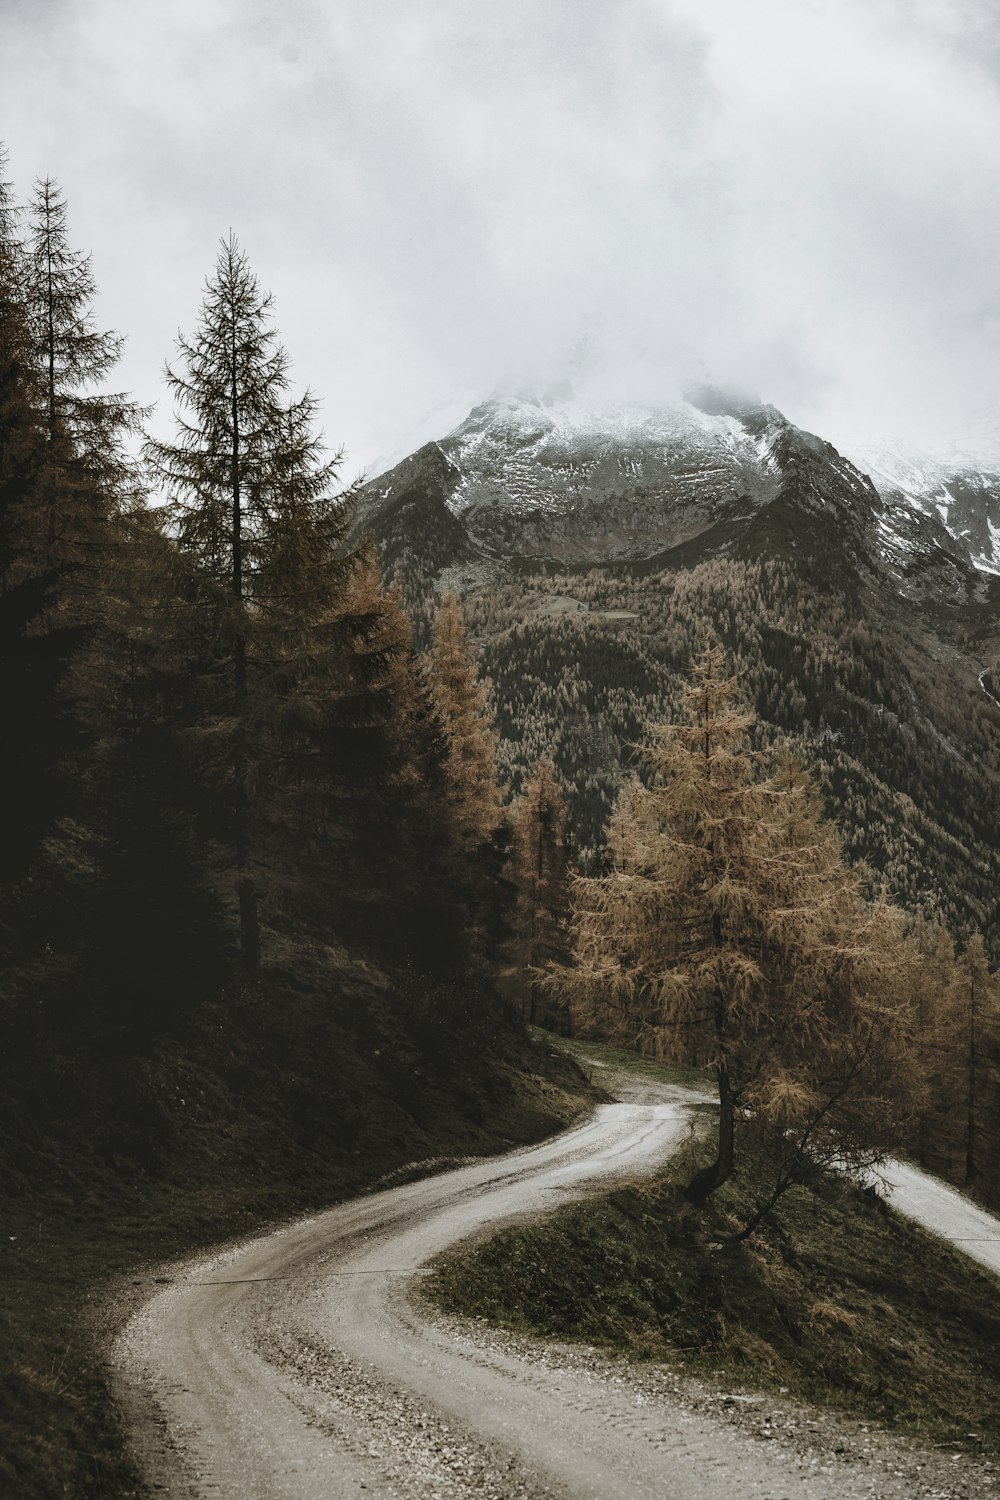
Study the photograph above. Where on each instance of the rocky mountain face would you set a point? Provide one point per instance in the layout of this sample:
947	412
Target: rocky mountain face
525	481
959	494
596	552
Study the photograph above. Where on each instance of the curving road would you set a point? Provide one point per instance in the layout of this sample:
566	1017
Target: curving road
944	1211
301	1365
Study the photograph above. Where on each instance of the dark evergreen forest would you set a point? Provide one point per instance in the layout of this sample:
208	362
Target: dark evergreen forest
232	805
255	869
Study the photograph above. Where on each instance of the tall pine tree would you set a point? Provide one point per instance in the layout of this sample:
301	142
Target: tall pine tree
483	828
461	702
89	472
254	503
541	865
35	656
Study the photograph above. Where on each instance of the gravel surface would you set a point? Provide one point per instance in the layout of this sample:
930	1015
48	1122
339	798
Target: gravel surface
306	1364
943	1210
821	1452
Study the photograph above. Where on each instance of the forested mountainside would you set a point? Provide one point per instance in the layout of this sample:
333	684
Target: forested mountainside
597	553
253	858
222	758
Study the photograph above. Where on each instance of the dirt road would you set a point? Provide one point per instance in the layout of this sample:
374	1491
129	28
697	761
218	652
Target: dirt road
944	1211
300	1365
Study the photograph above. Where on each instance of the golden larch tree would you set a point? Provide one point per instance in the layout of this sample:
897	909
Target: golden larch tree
729	932
541	867
461	703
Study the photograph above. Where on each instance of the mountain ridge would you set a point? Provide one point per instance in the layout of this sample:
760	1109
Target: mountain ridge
596	555
547	478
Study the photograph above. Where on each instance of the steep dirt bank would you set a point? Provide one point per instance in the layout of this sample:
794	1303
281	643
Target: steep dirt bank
264	1107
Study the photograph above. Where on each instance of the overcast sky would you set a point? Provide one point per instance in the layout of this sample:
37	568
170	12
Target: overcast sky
801	197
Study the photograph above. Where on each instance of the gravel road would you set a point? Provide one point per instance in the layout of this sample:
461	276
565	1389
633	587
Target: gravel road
944	1211
303	1364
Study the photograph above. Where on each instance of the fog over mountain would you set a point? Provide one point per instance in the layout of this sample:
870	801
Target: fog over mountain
797	198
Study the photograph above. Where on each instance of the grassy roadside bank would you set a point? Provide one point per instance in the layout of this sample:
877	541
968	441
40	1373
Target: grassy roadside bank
106	1172
612	1068
837	1299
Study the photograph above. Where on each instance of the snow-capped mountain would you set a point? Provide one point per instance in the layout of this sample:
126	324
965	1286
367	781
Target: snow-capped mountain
532	479
597	550
959	491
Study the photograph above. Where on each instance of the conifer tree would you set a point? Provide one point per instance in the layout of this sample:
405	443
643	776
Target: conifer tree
461	702
254	505
483	831
541	865
734	936
352	811
12	255
73	354
157	940
90	816
328	717
959	1008
441	904
979	994
88	472
34	656
939	1043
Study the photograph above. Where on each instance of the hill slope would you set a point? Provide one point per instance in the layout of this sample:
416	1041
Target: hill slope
596	552
330	1077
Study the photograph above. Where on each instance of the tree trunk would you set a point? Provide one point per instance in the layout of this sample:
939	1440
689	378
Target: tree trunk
53	524
922	1120
246	890
709	1179
532	940
970	1126
705	1182
51	351
245	887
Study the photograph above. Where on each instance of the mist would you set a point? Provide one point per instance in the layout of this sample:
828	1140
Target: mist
798	198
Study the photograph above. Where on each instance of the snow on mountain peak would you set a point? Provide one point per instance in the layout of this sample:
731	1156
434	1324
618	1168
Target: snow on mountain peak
959	487
529	452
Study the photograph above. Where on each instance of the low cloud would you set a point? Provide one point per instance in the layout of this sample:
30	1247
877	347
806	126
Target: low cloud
800	197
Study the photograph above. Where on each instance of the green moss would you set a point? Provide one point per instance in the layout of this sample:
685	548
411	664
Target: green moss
604	1065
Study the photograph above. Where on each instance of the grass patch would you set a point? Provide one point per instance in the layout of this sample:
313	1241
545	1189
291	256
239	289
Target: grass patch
837	1299
329	1079
604	1065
